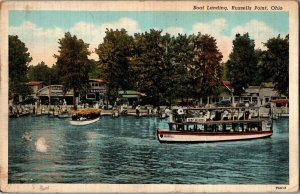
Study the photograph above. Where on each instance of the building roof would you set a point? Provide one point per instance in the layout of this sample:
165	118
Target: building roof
280	101
227	83
34	83
267	85
253	89
131	93
98	80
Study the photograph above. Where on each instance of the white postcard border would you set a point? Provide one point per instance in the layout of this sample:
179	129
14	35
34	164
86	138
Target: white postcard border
290	6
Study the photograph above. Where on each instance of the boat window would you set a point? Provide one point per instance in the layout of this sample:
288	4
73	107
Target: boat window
214	127
234	127
187	128
195	128
171	127
254	127
223	127
241	127
246	127
260	126
219	127
180	127
209	128
199	127
228	127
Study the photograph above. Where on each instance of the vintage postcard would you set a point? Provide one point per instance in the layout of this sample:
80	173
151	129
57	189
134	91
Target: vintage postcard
149	96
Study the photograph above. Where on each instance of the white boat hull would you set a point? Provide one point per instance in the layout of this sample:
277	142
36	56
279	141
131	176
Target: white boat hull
198	137
84	122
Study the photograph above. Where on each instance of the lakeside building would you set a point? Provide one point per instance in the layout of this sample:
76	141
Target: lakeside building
55	94
257	95
97	90
130	97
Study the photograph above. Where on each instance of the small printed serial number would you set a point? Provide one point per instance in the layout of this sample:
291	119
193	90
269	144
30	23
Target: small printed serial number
279	188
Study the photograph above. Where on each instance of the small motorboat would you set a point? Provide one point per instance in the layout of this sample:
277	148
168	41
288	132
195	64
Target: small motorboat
84	121
85	116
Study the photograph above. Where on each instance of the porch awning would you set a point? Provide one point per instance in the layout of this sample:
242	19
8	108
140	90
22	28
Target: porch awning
131	94
280	101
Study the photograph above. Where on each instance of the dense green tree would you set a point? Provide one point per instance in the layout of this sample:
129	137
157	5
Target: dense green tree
181	80
224	71
277	62
73	64
175	80
95	71
181	66
113	64
168	64
19	58
242	63
206	69
55	77
41	72
162	66
148	63
263	74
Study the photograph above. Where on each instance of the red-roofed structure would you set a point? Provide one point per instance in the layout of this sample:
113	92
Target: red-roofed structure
34	83
227	83
99	80
35	86
280	101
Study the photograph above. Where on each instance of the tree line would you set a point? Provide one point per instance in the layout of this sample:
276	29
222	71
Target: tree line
160	65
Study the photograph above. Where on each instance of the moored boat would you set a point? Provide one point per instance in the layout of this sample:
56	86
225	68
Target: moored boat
85	116
213	125
84	121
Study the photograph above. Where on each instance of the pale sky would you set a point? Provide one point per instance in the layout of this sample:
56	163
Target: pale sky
40	30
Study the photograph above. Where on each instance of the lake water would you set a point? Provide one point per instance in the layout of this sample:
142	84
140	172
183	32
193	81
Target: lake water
125	150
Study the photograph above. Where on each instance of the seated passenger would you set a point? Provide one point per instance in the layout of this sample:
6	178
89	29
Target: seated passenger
240	129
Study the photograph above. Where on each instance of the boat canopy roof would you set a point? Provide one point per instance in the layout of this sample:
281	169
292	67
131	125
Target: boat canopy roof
218	122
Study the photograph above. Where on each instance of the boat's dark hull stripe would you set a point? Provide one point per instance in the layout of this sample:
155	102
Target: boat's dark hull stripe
214	133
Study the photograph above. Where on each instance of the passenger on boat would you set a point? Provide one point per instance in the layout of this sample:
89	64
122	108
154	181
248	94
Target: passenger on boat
180	111
240	129
207	115
247	114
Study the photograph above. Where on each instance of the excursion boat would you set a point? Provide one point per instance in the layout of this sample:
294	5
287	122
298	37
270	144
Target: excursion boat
214	125
85	116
